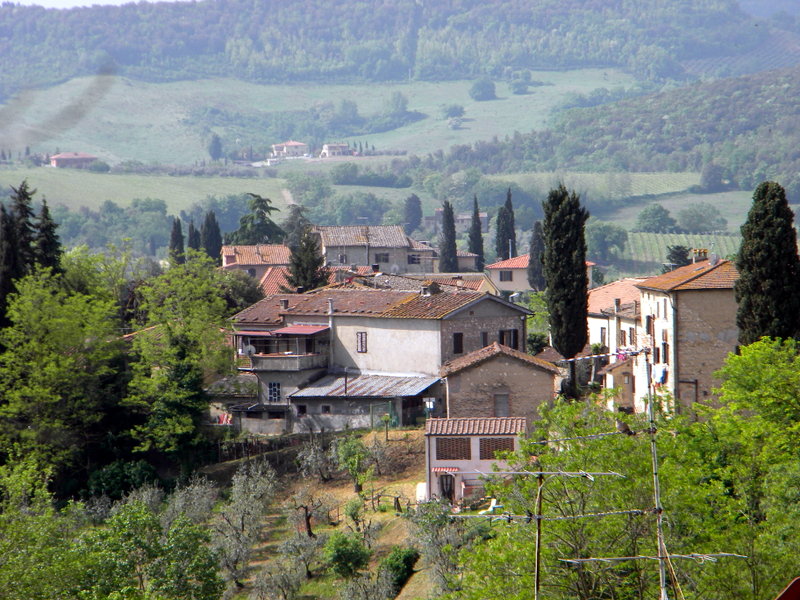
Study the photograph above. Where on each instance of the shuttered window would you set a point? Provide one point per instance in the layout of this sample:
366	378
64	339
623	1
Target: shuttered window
491	445
453	448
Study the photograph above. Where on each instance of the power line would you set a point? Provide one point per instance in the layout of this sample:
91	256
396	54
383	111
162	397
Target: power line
530	517
700	558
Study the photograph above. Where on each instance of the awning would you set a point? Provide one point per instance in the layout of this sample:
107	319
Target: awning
253	333
300	330
445	470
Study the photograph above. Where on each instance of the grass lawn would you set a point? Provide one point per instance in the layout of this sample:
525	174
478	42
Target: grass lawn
149	121
76	188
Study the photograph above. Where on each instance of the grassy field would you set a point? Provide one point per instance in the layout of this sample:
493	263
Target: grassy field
646	252
75	188
149	121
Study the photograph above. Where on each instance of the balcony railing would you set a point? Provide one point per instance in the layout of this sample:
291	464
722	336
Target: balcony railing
286	362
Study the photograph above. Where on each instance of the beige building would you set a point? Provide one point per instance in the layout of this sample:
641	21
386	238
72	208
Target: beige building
329	150
511	275
76	160
255	260
688	325
498	381
289	149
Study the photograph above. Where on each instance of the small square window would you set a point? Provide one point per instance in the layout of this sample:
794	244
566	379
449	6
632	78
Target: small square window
484	339
414	259
506	275
343	259
361	341
458	343
302	410
325	409
381	257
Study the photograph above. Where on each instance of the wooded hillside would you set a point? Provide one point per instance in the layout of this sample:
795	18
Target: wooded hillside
345	40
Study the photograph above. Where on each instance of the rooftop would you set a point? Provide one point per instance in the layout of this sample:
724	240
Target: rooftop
626	290
478	356
520	262
259	254
359	385
701	275
377	236
476	426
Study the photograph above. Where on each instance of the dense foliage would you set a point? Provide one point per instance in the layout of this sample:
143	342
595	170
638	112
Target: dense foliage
332	40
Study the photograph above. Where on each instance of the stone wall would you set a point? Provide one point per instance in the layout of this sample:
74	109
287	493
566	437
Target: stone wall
486	316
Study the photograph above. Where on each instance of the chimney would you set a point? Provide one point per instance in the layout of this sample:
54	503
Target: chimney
426	291
376	267
301	289
330	306
617	303
699	254
284	304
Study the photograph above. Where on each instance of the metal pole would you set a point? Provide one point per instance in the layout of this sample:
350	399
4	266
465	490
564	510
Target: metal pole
537	564
662	548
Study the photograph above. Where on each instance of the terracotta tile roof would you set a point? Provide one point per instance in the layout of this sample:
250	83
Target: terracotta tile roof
478	356
292	143
273	280
697	276
259	254
357	300
476	426
82	155
602	297
378	236
388	281
520	262
465	254
469	281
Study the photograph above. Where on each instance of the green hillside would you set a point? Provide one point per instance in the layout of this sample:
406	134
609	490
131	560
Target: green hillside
646	252
358	40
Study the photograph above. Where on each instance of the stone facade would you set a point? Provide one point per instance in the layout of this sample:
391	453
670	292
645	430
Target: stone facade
480	326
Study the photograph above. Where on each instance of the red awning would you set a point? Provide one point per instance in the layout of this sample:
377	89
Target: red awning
253	333
300	330
445	470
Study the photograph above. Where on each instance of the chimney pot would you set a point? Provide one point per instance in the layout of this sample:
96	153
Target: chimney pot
376	267
284	304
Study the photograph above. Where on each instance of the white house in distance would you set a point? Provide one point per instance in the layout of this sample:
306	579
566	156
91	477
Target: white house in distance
457	451
329	150
511	275
289	149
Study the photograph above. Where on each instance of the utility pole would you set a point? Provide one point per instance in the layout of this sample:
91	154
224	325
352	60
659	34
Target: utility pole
659	510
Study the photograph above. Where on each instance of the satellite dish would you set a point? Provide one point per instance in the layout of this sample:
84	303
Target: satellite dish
395	269
249	350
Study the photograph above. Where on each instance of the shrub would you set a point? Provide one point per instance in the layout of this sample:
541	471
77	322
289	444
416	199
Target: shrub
482	89
345	554
98	166
399	564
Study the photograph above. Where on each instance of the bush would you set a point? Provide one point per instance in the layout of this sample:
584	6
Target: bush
482	89
345	554
116	479
98	166
399	564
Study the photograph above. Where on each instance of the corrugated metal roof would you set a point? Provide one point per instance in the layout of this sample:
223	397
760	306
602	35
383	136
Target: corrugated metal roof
476	426
366	386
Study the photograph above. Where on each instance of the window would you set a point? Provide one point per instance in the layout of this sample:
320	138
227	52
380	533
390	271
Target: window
343	259
458	343
275	414
414	259
627	379
506	275
361	341
253	415
489	446
649	326
381	257
509	337
251	272
484	339
656	355
274	391
632	336
621	338
663	335
603	336
665	308
302	410
501	405
665	352
453	449
325	409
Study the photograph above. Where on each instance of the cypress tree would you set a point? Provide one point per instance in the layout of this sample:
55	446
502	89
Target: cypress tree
536	254
47	246
8	262
501	234
306	265
24	230
177	254
475	235
768	288
565	273
211	237
448	259
511	231
412	213
193	237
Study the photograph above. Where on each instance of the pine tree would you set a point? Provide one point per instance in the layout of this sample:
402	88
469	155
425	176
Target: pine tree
536	254
565	273
448	259
177	254
211	238
677	256
476	235
24	230
257	227
306	265
295	225
412	213
768	288
193	237
47	246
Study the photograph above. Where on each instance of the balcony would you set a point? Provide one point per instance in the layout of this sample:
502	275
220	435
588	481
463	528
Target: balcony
286	362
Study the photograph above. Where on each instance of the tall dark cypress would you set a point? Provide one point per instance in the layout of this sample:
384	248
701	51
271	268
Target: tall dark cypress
306	265
177	253
24	229
565	273
501	246
193	237
476	235
211	237
412	213
448	259
8	262
47	246
536	254
511	227
768	288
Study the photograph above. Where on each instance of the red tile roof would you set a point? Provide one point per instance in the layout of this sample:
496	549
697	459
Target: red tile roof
73	155
476	426
478	356
603	297
697	276
520	262
259	254
435	306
